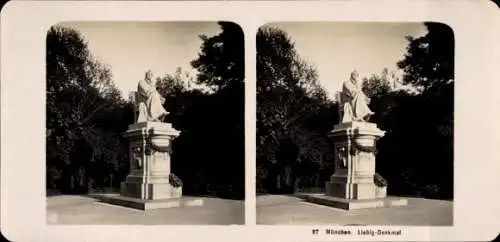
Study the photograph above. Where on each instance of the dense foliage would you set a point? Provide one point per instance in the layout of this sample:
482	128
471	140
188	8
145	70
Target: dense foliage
85	116
293	115
416	155
209	155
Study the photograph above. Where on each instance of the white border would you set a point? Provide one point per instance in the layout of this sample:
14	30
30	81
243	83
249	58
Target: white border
23	29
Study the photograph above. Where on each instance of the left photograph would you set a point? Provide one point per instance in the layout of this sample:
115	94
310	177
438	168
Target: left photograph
145	123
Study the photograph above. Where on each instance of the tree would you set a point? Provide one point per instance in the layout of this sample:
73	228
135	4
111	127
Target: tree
173	87
220	63
172	84
289	102
429	60
380	89
378	85
416	154
209	154
84	113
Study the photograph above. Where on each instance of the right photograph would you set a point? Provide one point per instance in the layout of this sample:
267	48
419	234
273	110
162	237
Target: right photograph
355	123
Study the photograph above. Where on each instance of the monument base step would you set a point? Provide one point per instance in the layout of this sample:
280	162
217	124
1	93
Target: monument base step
352	204
117	199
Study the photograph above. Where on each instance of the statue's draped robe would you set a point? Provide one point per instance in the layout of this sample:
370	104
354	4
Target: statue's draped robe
150	100
358	108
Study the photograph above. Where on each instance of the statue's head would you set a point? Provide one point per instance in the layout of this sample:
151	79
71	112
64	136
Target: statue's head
149	76
354	76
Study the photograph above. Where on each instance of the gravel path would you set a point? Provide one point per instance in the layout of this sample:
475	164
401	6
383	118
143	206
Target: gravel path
66	209
278	209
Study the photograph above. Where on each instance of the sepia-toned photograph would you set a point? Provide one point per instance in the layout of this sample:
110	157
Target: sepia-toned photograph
355	123
249	121
145	123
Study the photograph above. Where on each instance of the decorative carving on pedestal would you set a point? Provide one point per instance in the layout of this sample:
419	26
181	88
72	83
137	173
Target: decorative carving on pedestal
355	160
150	144
342	157
148	149
137	157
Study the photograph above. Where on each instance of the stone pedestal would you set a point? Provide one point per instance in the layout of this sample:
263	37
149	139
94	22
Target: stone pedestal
147	185
352	185
354	145
149	152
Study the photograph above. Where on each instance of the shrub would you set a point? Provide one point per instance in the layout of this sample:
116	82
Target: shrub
379	180
174	180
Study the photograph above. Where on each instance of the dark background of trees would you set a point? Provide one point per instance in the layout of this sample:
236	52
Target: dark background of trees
294	116
86	117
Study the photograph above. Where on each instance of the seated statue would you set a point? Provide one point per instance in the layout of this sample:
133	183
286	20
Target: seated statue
354	102
150	102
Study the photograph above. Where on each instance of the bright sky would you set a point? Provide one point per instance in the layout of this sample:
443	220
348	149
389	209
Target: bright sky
336	49
131	48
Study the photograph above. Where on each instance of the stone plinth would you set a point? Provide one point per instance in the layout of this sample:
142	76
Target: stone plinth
352	204
144	204
147	185
352	185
